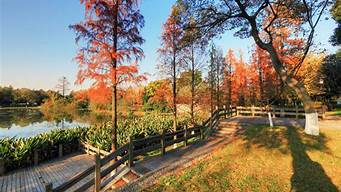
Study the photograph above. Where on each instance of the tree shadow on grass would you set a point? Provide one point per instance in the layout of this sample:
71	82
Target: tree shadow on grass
308	176
265	136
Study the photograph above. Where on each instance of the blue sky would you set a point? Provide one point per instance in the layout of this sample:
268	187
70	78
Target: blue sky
37	47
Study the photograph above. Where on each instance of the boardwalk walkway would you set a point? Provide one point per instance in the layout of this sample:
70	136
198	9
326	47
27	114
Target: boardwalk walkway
33	179
61	170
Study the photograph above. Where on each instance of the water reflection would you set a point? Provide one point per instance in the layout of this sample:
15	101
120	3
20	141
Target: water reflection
30	122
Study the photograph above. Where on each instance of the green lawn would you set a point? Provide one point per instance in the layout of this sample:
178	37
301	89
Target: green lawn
265	159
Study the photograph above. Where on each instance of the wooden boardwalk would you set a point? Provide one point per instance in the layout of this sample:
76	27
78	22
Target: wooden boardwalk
58	171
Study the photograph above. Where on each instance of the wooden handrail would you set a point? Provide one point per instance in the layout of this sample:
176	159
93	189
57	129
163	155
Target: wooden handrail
114	154
281	111
130	150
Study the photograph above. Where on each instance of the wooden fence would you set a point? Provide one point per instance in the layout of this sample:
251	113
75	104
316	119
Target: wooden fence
124	156
276	111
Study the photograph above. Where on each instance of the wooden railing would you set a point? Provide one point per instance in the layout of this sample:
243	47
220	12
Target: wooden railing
276	111
125	155
93	150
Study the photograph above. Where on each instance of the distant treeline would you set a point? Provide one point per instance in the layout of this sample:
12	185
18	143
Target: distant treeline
22	97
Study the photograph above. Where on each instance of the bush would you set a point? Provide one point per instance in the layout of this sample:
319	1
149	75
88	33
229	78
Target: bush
19	152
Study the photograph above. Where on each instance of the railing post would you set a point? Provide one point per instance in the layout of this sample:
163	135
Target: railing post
282	112
201	133
296	110
211	122
237	112
98	151
323	112
225	111
130	152
185	135
252	111
97	173
48	187
60	150
35	157
163	144
2	167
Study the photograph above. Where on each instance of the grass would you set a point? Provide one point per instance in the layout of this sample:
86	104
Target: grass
265	159
336	112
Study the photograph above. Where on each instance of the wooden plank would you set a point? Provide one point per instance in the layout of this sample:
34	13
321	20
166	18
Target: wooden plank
114	154
147	149
12	183
177	140
30	186
193	135
66	185
85	186
147	143
94	149
20	180
55	180
26	182
154	137
5	183
36	180
1	182
109	169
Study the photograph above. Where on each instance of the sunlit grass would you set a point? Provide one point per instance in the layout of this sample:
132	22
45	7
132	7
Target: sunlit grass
265	159
335	112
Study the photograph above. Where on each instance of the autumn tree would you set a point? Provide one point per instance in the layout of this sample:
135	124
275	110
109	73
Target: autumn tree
193	56
171	39
229	60
215	73
111	38
240	80
248	18
311	74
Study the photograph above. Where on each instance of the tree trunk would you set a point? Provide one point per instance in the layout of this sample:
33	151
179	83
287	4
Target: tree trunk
174	91
114	118
114	88
192	86
311	123
260	78
229	101
218	84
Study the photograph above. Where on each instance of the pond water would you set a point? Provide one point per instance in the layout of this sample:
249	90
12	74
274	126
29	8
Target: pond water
31	122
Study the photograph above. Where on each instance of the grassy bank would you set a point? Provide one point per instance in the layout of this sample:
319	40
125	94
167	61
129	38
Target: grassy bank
265	159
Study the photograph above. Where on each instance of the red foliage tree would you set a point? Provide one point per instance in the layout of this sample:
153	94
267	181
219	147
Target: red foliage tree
112	40
171	39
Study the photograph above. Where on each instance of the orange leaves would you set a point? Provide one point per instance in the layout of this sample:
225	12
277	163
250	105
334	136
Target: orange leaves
111	49
100	93
163	93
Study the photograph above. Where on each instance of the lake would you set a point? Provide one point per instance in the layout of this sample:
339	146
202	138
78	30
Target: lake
31	122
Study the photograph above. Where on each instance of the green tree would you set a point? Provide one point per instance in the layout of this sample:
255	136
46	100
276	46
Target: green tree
336	13
6	96
331	70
